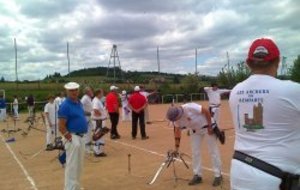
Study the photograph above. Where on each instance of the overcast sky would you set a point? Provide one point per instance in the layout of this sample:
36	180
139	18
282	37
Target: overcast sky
42	29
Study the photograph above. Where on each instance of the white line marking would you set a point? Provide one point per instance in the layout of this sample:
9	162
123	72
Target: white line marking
159	154
28	177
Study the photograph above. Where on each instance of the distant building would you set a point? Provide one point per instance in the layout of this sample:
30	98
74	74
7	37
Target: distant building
257	119
258	114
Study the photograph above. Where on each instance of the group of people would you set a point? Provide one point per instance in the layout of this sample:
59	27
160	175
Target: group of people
79	118
265	113
15	106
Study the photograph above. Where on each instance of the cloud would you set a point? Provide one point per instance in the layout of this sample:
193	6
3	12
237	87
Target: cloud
46	9
43	28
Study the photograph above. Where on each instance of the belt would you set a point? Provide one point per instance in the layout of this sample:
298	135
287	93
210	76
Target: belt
214	105
289	181
79	134
205	126
259	164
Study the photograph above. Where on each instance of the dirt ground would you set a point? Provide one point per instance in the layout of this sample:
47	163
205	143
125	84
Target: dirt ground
21	170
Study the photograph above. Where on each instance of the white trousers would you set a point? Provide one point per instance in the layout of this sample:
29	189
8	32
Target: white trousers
126	113
216	111
246	177
74	162
90	127
146	111
50	134
2	114
99	144
16	113
30	111
196	141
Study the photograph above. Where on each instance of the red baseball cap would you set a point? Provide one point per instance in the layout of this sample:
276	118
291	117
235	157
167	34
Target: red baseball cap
263	50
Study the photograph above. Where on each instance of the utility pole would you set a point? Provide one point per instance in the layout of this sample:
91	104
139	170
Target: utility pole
68	58
283	66
228	62
16	62
196	61
228	69
158	61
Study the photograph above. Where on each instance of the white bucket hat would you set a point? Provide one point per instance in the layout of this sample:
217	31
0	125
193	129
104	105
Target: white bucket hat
71	86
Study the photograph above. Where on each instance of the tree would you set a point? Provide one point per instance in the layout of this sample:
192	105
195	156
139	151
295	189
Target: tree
2	79
176	79
234	75
191	83
295	70
242	72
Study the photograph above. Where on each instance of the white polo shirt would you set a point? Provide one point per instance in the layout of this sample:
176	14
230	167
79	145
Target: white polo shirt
192	117
266	115
214	96
58	100
15	104
50	109
98	105
87	103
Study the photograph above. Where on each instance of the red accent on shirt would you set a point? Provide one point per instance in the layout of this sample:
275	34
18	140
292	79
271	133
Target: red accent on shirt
136	100
112	103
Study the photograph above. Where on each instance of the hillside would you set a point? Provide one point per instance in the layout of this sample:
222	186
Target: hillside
121	76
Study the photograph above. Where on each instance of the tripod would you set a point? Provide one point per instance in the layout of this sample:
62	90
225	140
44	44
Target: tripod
32	124
171	157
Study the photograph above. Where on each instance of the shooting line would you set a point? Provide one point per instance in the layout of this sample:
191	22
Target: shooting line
28	177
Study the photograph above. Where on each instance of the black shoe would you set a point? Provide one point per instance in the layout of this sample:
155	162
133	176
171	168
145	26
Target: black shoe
118	136
196	180
133	138
49	147
145	138
102	154
217	181
113	136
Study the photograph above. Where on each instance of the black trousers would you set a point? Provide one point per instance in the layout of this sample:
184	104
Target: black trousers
114	119
141	118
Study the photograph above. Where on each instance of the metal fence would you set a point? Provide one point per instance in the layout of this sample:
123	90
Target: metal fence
176	98
39	106
168	98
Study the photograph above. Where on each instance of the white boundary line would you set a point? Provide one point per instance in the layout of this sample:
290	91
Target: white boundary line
28	177
159	154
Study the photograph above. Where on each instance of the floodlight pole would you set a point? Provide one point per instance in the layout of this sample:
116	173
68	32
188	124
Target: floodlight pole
68	58
228	62
158	61
16	62
283	66
196	61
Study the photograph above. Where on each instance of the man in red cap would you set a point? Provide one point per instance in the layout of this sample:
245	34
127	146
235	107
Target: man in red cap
137	103
112	106
266	115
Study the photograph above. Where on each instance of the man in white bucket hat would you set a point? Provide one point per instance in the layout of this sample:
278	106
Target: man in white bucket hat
73	126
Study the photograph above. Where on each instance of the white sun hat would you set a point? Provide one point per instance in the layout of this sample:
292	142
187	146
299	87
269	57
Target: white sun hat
71	86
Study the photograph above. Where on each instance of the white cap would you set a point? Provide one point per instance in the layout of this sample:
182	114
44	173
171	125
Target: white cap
113	88
124	92
71	86
137	88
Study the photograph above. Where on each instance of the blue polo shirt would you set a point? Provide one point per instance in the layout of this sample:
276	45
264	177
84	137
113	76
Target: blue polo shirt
2	103
74	114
